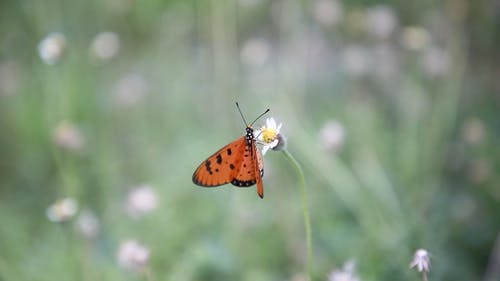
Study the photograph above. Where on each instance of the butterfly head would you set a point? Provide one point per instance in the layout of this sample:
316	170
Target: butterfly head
249	135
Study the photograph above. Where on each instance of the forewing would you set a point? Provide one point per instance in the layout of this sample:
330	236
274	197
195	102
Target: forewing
221	167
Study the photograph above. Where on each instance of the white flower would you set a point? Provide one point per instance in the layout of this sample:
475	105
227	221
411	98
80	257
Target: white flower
328	12
130	90
255	52
52	47
141	200
68	136
381	21
356	60
62	210
436	61
421	261
88	224
346	273
105	45
332	135
269	135
132	255
415	38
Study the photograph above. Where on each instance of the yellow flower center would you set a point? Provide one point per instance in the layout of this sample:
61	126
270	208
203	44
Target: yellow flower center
268	135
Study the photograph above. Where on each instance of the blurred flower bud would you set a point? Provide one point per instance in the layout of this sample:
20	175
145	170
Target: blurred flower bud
51	48
62	210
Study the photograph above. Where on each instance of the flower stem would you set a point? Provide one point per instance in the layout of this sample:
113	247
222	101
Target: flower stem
305	210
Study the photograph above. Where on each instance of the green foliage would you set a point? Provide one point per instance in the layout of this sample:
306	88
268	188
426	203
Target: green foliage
391	110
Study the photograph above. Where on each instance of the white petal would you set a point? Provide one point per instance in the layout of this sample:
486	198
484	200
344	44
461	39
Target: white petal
271	123
265	148
258	134
274	143
279	128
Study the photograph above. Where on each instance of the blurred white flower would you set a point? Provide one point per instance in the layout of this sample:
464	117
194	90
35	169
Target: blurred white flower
8	78
435	61
269	136
328	12
88	224
415	38
62	210
130	90
421	261
332	135
255	52
473	131
381	21
133	256
68	136
355	60
52	47
105	45
141	200
346	273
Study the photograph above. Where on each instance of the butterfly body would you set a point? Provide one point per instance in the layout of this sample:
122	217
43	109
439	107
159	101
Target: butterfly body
238	163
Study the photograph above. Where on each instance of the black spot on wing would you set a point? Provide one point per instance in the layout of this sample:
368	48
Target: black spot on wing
208	166
229	151
219	159
240	183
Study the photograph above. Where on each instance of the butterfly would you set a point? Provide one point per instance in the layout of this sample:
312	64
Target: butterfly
238	163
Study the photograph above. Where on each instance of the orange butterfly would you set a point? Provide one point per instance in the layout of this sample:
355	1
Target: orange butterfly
238	163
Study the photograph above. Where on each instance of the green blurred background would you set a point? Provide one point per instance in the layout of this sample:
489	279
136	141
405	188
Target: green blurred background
390	107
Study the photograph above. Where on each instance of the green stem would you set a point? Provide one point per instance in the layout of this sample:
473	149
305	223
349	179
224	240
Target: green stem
305	210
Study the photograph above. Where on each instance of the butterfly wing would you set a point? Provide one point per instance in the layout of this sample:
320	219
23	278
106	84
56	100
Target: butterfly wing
237	163
251	170
221	167
259	171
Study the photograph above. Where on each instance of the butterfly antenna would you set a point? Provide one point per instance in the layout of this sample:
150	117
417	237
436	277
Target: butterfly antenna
241	114
267	110
242	117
